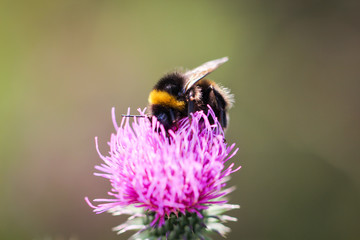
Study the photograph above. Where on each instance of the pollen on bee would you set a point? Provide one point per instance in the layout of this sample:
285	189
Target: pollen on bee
164	98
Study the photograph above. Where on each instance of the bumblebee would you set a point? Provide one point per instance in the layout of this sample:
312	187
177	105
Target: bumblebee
177	95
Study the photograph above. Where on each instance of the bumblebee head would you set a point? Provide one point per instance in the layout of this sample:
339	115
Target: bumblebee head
167	99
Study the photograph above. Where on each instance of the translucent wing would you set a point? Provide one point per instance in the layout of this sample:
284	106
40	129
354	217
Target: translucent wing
200	72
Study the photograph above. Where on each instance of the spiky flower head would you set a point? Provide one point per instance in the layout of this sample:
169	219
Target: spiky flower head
160	175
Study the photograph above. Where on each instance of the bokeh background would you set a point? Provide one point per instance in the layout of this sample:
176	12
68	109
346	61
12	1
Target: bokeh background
294	70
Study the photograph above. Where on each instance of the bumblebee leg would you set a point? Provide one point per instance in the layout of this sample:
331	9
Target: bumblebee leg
124	115
223	120
191	104
191	107
221	108
172	115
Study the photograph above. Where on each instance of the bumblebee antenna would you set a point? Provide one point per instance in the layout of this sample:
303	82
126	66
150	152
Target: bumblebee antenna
123	115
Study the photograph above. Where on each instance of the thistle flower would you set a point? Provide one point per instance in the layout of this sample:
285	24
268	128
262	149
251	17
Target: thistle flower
171	183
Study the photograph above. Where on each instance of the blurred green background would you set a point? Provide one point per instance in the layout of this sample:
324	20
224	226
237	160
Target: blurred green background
294	70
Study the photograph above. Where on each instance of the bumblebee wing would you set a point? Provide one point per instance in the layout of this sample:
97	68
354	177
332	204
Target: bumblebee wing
200	72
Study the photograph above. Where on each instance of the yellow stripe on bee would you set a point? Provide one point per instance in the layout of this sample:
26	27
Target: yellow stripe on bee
164	98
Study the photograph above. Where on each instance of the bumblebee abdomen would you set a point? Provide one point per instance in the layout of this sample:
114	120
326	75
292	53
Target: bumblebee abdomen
217	97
